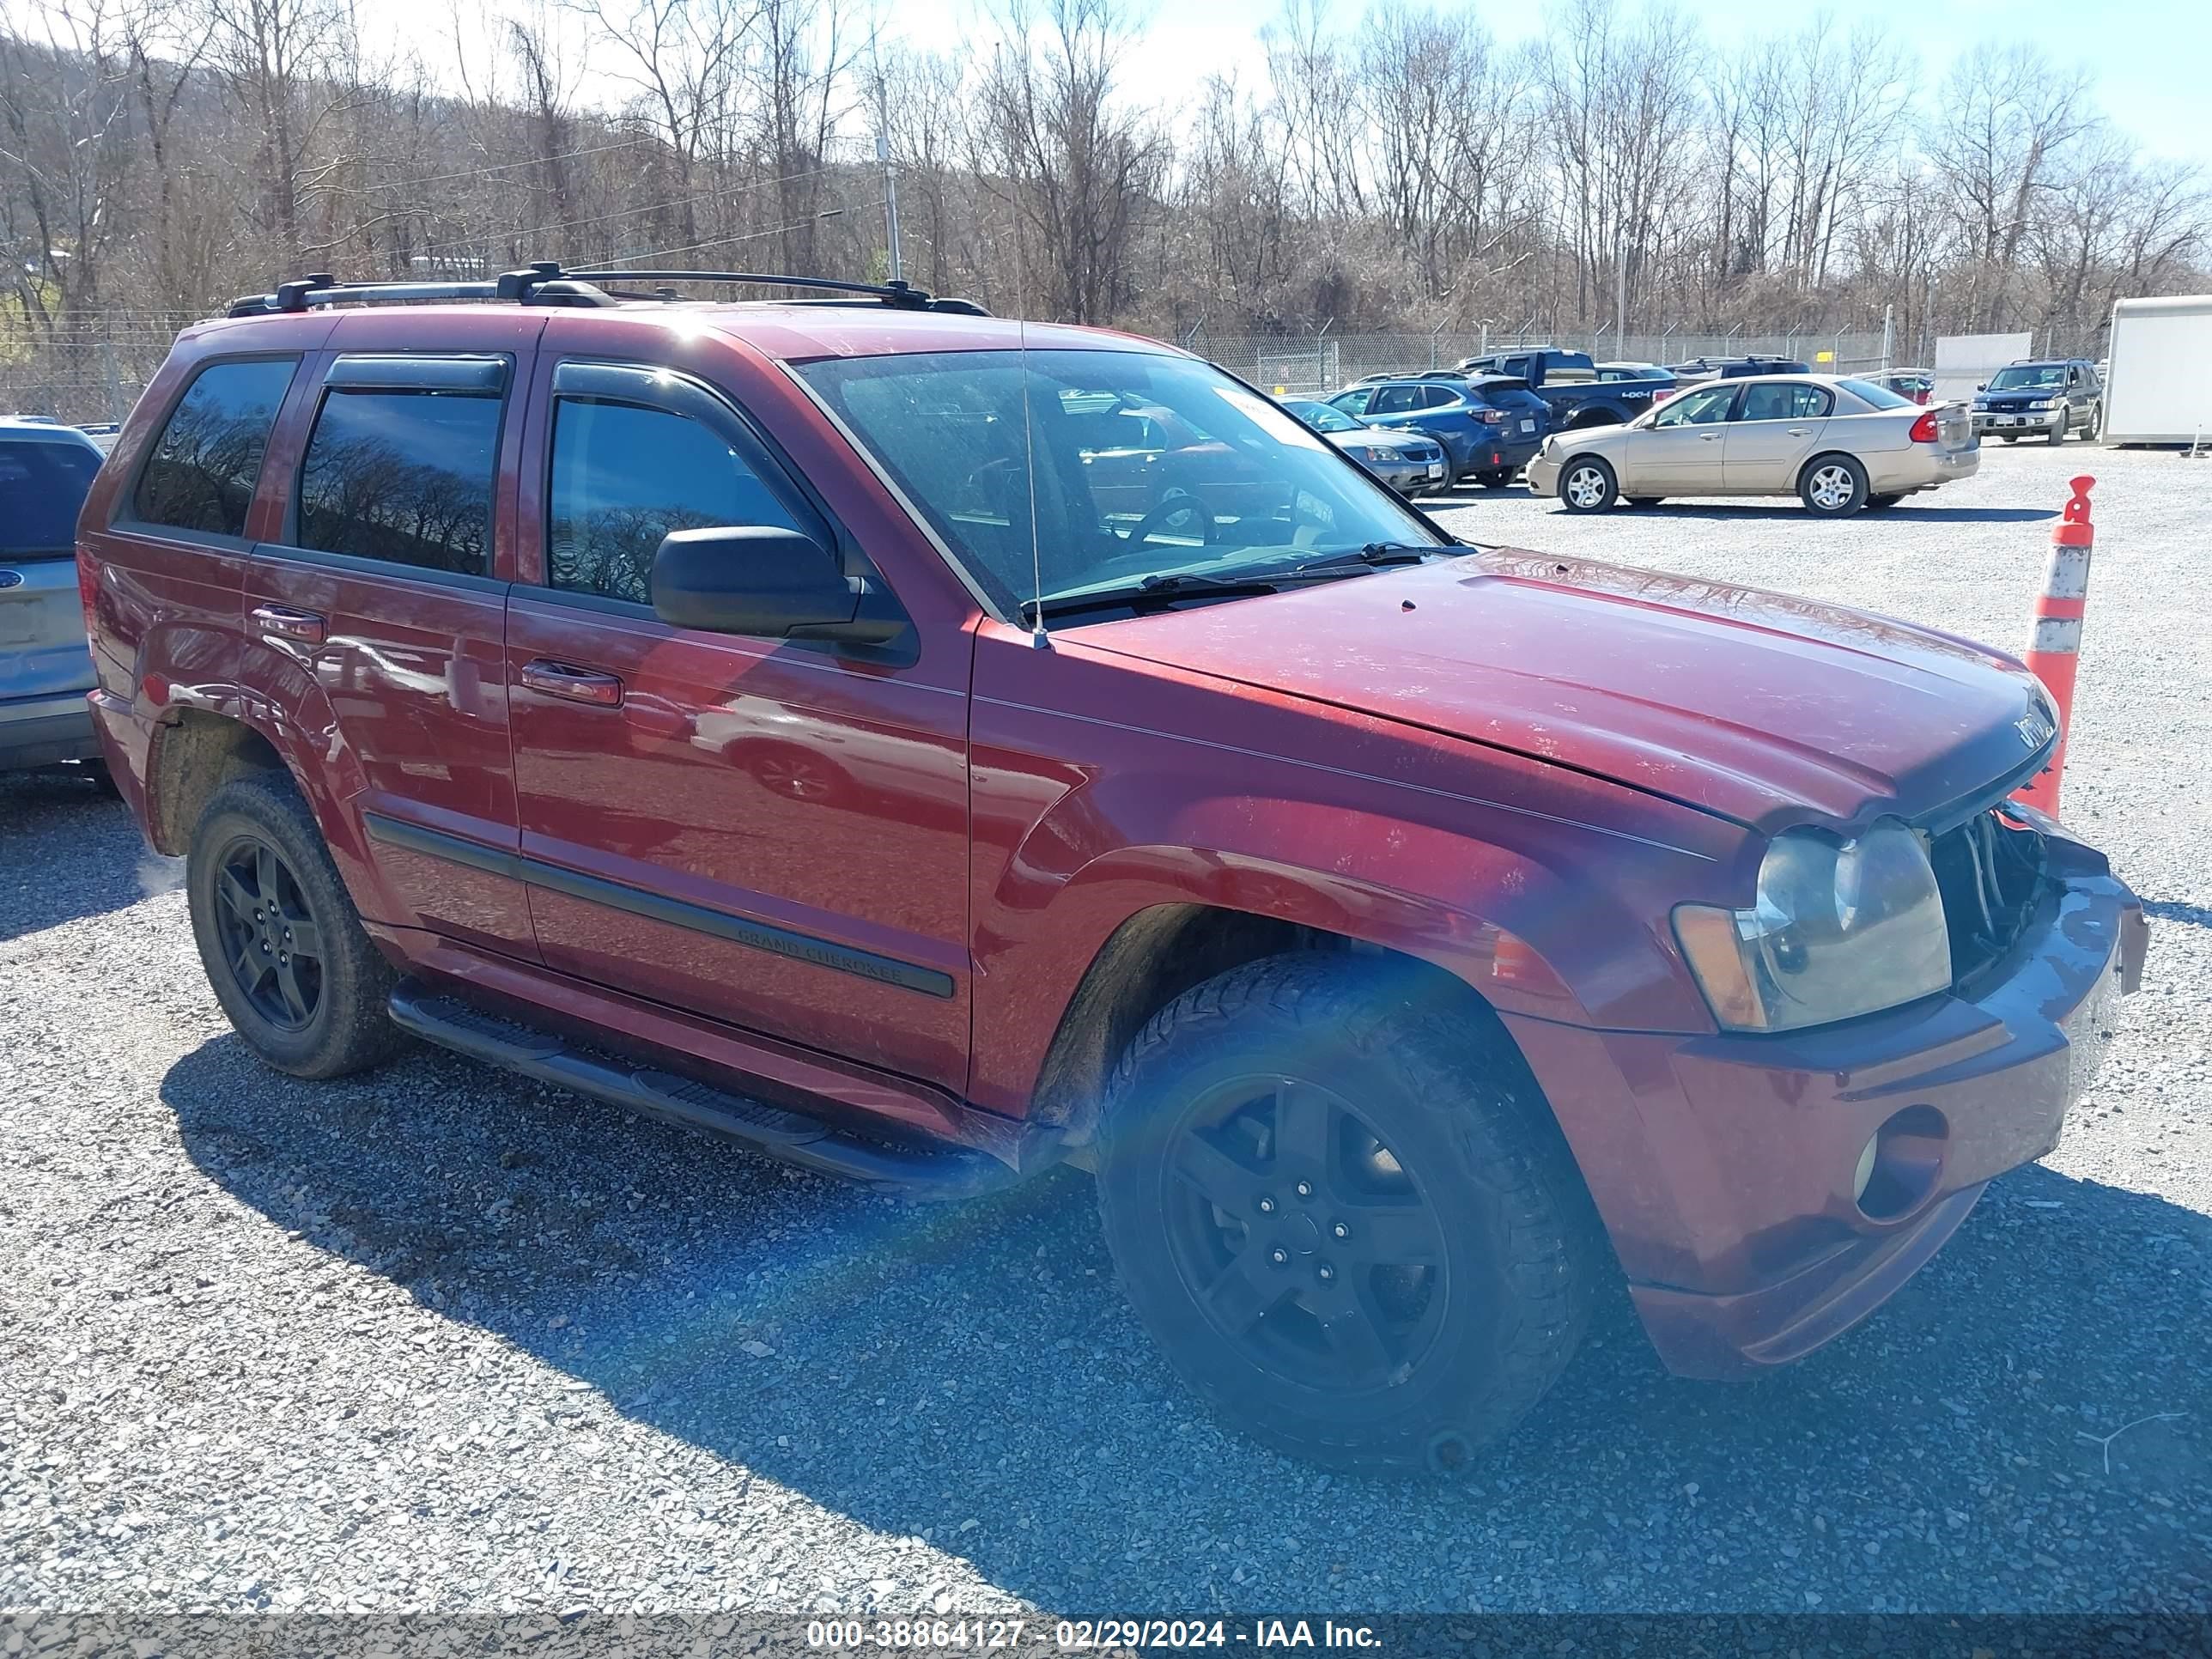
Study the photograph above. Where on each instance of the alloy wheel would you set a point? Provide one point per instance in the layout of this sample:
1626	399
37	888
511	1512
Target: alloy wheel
1585	486
271	941
1301	1237
1831	489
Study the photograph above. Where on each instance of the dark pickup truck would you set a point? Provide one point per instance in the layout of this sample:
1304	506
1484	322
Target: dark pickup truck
1568	382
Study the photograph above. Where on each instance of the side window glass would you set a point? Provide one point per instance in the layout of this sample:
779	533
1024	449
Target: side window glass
204	465
1812	403
624	476
1765	403
1354	403
1441	397
1700	408
1396	399
403	476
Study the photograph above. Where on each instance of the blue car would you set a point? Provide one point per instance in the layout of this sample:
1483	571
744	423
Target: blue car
45	669
1481	440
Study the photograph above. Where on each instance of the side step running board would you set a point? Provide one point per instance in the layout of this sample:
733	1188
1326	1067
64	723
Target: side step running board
912	1172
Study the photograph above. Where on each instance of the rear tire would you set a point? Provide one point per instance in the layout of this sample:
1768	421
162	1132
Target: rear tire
1340	1204
1495	480
1587	485
1832	486
280	939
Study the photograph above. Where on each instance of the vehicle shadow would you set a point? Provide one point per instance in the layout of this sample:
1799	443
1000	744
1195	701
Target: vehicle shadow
56	820
1903	510
971	1375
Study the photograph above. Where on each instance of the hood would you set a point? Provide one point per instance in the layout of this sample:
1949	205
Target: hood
1384	437
1753	705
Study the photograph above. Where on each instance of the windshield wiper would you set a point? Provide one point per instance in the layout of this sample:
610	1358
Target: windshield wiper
1372	557
1151	589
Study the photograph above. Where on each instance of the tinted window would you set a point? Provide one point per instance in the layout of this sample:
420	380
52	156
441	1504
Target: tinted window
1397	399
1440	397
403	476
42	486
202	469
624	477
1353	402
1880	397
1784	402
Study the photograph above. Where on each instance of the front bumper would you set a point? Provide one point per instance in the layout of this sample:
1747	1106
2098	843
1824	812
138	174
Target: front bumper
1409	477
2026	422
45	730
1723	1166
1544	473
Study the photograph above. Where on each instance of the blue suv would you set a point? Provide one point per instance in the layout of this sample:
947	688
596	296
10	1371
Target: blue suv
1481	440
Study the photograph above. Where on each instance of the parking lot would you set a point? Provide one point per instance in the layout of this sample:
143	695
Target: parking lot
435	1339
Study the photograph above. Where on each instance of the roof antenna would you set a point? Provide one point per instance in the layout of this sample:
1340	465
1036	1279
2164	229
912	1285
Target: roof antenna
1038	638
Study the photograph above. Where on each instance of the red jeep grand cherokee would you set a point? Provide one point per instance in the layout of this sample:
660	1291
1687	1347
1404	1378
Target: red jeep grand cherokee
849	726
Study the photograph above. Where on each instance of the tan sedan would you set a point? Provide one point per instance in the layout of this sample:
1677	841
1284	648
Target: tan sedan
1836	444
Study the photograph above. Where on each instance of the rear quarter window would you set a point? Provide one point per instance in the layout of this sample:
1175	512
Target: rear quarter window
204	467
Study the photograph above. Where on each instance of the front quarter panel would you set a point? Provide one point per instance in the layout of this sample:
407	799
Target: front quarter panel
1103	787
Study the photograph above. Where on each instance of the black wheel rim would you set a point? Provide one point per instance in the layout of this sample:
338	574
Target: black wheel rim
1302	1238
271	945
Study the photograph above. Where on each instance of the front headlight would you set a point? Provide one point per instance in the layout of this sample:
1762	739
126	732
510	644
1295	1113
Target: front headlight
1367	452
2044	403
1839	928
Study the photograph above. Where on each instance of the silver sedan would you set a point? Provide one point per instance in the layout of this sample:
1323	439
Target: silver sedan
1837	445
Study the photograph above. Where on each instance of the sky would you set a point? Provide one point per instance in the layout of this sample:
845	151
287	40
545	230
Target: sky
2147	58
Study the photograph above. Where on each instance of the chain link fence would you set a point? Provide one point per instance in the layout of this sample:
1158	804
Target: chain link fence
96	372
1296	365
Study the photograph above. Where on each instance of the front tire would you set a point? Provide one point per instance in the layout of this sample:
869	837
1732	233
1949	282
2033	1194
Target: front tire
281	941
1587	485
2058	434
1340	1205
1832	486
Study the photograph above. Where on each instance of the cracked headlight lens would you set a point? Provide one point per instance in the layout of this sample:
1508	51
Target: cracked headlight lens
1837	928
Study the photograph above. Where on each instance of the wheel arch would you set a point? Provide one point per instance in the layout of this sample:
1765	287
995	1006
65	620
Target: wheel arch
1591	415
1818	456
193	753
1163	951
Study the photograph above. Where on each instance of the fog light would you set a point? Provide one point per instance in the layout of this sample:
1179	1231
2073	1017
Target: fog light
1901	1164
1865	1172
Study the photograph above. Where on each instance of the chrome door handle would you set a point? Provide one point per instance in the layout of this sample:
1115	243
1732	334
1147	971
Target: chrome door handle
1708	437
282	622
573	684
1796	431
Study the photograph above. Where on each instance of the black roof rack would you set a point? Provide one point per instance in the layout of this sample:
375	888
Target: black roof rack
545	283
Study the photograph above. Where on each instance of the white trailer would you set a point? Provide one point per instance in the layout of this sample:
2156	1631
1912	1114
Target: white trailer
2158	383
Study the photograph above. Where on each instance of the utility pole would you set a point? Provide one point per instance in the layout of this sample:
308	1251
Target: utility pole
1620	293
1889	336
112	376
890	200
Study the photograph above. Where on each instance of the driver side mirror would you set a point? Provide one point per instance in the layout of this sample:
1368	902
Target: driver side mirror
1984	386
767	580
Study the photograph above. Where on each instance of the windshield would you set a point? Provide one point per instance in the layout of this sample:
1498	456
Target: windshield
1322	418
1880	397
1145	465
42	486
2023	377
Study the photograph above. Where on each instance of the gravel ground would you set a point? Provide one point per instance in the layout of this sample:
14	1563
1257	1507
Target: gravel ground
438	1340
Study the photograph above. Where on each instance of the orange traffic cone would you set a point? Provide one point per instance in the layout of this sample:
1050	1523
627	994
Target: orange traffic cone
2056	645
